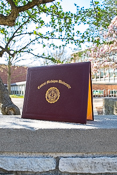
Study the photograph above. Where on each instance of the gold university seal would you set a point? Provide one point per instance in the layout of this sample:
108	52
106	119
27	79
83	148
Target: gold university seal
52	95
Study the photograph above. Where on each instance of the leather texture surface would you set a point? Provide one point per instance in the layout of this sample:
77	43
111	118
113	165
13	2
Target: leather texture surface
57	92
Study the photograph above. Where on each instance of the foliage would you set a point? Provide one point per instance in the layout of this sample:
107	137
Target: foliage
100	14
11	9
102	36
52	24
34	27
103	56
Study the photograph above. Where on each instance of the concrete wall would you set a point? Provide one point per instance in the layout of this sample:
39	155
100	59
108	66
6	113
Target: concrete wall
55	148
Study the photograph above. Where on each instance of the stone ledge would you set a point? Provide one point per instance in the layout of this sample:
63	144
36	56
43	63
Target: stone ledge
48	148
34	136
69	165
88	165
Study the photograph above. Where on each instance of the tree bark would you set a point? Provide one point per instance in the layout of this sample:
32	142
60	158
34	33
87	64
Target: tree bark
7	106
10	19
9	77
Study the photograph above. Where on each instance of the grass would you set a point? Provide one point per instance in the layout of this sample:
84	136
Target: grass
16	96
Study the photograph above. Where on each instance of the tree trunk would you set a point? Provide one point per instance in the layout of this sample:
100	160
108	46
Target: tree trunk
7	106
9	77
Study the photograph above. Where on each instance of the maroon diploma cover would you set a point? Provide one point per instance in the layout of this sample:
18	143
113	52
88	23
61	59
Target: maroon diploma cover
59	93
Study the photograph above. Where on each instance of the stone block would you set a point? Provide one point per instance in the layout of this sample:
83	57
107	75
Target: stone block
115	107
88	165
29	164
109	105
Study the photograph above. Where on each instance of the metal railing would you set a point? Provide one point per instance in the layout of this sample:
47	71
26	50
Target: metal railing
105	79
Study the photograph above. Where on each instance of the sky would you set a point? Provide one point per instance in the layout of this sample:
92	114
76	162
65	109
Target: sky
68	5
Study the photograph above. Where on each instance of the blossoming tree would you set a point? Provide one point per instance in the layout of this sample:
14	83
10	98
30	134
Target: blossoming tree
104	56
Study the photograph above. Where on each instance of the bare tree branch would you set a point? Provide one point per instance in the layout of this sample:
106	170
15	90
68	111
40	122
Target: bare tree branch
10	19
15	33
32	4
26	45
5	50
41	56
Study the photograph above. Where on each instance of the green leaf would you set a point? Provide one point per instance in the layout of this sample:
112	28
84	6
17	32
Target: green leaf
35	32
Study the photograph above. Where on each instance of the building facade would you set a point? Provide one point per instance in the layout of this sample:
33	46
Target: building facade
18	78
18	73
